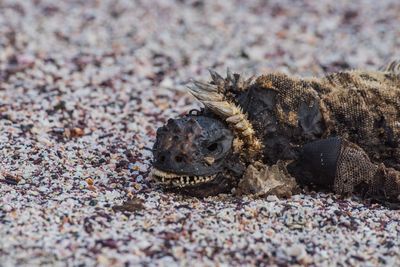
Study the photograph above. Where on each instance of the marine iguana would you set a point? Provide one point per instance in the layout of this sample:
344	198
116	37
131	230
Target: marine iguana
340	133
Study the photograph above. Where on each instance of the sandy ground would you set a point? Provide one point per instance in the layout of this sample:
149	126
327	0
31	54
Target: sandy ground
85	84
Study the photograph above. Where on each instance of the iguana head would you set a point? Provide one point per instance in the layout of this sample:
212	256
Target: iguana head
206	154
194	155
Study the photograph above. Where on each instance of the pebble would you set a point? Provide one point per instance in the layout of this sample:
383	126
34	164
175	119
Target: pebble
296	251
272	198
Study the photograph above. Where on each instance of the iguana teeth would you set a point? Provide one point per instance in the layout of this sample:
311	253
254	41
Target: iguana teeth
178	180
163	174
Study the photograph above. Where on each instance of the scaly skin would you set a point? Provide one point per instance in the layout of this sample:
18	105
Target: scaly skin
319	127
362	107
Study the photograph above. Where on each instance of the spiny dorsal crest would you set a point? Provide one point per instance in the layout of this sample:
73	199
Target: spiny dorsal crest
393	66
218	97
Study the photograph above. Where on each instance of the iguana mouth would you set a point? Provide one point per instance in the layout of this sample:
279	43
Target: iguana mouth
171	179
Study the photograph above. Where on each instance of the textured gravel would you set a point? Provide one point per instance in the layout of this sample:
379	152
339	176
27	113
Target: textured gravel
84	85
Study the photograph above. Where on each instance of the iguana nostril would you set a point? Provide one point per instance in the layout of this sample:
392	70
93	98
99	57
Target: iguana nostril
179	158
161	159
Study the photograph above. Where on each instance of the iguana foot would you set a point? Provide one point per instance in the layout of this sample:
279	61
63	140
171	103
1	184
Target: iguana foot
261	180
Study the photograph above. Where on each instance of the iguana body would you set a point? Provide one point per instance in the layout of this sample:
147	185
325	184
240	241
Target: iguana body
340	132
362	107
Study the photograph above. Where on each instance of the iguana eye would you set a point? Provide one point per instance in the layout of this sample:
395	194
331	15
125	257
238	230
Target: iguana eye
213	147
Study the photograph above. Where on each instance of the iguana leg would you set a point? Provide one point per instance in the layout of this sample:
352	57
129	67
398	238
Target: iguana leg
345	168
